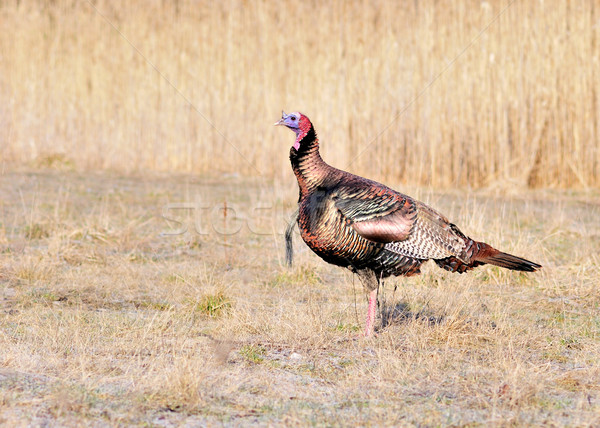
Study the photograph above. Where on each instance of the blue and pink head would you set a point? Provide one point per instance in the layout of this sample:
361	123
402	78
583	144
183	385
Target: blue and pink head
298	123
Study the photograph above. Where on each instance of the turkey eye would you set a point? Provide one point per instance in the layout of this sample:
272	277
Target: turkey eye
293	117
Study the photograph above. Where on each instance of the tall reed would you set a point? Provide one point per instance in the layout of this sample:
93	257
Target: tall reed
425	92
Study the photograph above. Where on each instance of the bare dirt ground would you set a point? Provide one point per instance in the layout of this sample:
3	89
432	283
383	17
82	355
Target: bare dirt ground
110	314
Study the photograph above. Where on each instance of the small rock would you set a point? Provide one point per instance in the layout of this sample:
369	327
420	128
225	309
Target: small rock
295	356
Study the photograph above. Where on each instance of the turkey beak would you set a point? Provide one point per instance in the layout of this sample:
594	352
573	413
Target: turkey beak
282	120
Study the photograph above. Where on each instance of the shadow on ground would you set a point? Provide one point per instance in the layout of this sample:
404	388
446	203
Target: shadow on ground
400	313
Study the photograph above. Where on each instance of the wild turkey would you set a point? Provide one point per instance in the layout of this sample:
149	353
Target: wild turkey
373	230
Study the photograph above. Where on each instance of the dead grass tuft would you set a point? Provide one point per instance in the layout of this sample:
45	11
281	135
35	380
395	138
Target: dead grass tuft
68	400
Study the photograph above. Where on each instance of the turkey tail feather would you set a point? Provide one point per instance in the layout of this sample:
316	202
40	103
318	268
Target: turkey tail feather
479	253
488	254
509	261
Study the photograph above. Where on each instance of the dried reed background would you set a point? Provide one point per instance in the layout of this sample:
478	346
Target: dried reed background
449	93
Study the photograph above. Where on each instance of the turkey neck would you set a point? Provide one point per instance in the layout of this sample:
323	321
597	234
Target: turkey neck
309	167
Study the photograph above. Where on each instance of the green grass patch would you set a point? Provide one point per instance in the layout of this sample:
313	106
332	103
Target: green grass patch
214	305
253	353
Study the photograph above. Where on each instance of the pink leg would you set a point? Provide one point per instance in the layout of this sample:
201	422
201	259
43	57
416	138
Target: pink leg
370	327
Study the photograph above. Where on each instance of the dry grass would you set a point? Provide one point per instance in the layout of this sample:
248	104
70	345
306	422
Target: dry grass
474	93
105	321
